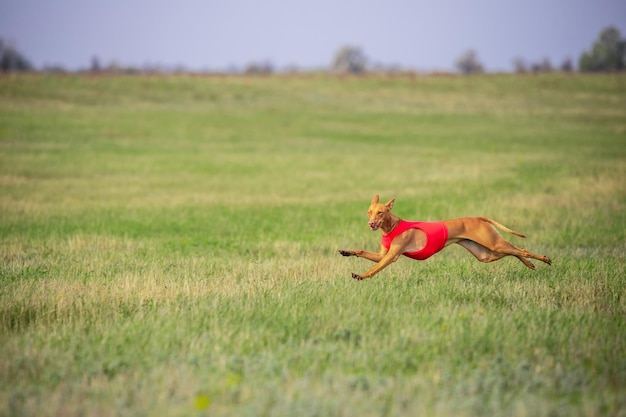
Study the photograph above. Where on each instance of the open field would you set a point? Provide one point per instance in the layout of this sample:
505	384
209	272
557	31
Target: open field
169	246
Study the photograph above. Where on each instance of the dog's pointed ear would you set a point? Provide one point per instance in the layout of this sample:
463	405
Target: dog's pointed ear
389	204
375	200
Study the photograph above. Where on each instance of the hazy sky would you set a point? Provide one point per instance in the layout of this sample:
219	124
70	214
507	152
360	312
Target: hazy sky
422	35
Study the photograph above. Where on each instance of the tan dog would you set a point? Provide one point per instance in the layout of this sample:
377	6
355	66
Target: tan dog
420	240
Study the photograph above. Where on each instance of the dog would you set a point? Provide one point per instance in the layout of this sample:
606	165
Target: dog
421	240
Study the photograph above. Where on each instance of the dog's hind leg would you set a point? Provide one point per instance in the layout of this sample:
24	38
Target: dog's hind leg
480	252
502	246
483	233
484	254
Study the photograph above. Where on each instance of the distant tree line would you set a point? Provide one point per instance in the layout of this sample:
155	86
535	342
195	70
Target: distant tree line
607	54
520	66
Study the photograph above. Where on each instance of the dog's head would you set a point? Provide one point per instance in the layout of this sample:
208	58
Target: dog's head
378	213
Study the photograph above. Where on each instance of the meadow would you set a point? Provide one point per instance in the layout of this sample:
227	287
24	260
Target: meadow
169	246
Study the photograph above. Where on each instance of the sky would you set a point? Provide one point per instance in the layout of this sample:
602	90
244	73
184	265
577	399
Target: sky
421	35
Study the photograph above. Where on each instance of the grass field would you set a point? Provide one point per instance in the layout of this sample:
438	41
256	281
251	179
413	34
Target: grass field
169	246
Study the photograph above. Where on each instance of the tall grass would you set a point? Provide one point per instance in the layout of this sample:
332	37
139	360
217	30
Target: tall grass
169	246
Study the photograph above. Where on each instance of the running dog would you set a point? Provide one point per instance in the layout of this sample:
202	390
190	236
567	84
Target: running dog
421	240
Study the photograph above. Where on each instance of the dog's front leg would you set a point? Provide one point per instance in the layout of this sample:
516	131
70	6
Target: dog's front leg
374	257
388	259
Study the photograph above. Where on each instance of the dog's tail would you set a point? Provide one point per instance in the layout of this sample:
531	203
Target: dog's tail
499	226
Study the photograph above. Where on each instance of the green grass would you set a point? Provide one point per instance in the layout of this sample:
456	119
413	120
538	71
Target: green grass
169	246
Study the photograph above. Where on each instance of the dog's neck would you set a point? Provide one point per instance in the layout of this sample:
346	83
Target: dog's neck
391	221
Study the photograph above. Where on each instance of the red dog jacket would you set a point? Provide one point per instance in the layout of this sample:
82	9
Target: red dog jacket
436	236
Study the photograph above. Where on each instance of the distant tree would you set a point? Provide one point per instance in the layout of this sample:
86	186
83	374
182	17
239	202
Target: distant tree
519	66
11	59
259	68
567	65
95	64
543	66
468	63
607	54
349	59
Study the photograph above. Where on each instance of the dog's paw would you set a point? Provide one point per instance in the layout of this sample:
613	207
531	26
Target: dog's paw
357	277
